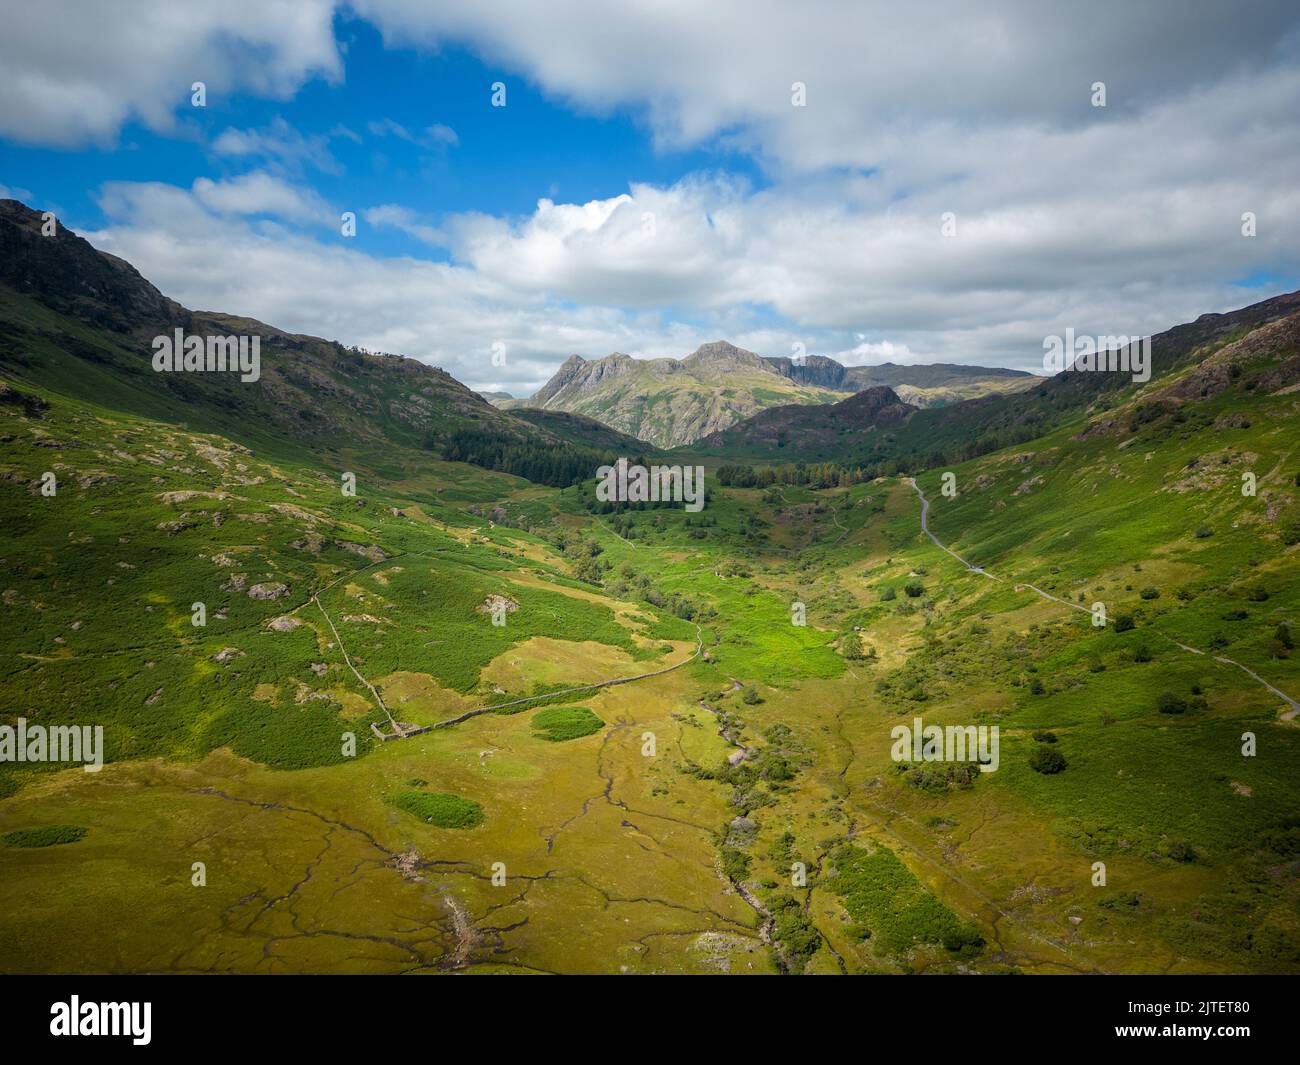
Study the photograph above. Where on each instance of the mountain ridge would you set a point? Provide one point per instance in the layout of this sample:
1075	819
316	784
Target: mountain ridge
720	384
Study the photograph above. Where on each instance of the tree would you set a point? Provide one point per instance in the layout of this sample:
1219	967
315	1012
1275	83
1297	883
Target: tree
1169	703
851	646
749	695
1046	760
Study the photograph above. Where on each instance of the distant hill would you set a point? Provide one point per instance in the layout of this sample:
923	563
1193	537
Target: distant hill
81	322
581	430
1186	364
927	385
495	397
670	402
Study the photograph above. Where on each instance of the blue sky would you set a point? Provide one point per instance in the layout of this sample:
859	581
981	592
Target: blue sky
653	184
503	160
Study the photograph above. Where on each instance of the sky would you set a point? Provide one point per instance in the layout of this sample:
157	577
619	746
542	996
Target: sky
907	182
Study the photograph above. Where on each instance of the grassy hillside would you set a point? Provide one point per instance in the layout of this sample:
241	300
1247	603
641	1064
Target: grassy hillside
670	731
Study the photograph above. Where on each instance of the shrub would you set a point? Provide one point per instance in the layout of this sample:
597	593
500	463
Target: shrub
440	808
1046	759
1150	592
750	695
1170	703
1036	687
1043	736
45	836
914	590
888	595
559	723
1204	532
1123	622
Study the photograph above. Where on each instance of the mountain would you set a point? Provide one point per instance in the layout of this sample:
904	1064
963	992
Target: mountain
469	741
670	401
812	432
82	323
495	397
1184	359
581	430
926	385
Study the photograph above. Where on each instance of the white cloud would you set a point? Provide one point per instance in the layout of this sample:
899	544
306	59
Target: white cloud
1117	220
259	193
403	218
281	146
435	136
73	72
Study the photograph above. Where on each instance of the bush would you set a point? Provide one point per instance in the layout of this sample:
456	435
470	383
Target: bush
1123	622
1204	532
45	836
750	696
1046	759
1043	736
1141	653
1036	687
888	595
914	590
1150	592
1169	703
440	808
559	723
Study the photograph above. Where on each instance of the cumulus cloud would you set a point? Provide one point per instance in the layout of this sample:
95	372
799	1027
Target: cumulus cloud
258	193
73	72
447	315
1122	219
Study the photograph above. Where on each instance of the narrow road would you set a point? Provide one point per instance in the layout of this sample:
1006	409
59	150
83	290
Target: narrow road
1288	715
699	648
338	639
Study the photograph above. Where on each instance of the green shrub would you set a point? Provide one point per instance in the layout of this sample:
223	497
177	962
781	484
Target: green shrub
1046	760
440	808
45	836
559	723
1170	703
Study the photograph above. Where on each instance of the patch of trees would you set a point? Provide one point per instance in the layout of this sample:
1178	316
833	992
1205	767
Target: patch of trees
555	465
815	475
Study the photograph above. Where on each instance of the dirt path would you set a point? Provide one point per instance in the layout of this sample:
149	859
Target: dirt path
699	648
339	639
1293	707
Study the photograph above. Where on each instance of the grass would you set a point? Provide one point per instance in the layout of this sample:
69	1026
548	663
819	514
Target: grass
231	762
